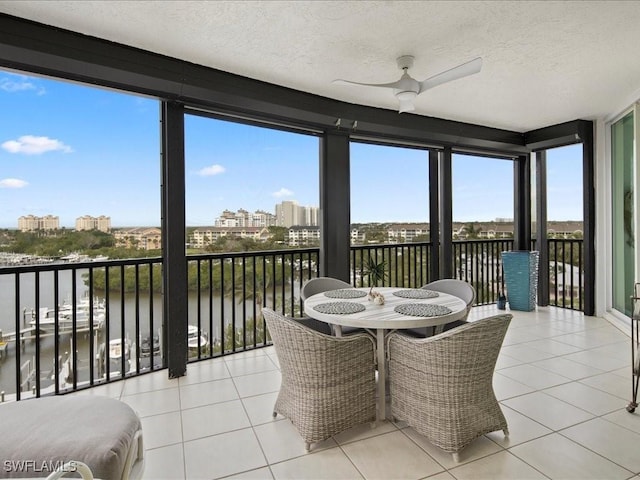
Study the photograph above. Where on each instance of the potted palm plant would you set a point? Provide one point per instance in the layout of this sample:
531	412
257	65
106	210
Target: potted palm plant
375	271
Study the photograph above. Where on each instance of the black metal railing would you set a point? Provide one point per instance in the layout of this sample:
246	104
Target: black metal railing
67	326
478	262
406	265
227	292
566	274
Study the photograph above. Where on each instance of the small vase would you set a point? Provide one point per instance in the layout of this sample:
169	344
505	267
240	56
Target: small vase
376	298
502	302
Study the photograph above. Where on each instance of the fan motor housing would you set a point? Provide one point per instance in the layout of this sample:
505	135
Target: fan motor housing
405	62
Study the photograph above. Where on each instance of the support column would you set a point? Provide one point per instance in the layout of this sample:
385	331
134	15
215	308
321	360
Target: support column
335	206
445	203
589	216
434	216
175	298
522	203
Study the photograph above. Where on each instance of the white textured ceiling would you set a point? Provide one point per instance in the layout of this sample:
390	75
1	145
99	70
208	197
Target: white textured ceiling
545	62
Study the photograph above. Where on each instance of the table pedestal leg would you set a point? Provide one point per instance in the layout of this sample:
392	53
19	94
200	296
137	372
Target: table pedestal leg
382	376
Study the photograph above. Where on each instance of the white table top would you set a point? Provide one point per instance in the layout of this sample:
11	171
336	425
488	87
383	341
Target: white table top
384	316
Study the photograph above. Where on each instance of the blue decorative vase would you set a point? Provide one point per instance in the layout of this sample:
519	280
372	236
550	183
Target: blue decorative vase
520	269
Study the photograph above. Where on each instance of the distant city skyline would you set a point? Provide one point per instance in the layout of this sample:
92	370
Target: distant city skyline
71	150
93	221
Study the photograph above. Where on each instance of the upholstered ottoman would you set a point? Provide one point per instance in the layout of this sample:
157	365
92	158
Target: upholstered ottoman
40	434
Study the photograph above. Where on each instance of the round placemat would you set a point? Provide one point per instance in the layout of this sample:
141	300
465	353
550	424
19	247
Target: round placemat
422	310
345	293
416	293
339	308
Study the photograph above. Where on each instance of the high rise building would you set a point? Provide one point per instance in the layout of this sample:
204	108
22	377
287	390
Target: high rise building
31	223
289	213
260	218
243	218
87	222
311	215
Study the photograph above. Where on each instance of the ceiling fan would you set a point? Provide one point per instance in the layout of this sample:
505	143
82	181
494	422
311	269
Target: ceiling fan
407	88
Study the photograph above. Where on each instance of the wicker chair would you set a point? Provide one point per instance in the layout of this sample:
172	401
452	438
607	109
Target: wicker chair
321	284
324	284
452	286
328	383
442	385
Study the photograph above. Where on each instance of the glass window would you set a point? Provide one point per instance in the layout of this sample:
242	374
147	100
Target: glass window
482	197
389	186
565	226
79	158
564	186
79	181
246	177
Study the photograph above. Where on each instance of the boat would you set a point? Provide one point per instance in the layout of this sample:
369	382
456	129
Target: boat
74	257
197	342
117	349
149	346
83	307
47	321
47	316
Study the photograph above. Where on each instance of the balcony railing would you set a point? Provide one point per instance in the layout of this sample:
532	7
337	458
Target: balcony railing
566	274
406	265
69	326
65	326
227	292
479	263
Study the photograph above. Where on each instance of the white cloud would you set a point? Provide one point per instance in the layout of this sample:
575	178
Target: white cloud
19	83
32	145
283	192
12	183
211	170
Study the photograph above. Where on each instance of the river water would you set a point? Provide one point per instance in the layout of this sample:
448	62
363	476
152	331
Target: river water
117	307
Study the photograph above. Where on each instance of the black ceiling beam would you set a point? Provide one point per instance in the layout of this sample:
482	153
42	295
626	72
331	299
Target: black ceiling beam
41	49
568	133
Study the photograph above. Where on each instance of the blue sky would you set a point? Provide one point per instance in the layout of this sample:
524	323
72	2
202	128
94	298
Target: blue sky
71	150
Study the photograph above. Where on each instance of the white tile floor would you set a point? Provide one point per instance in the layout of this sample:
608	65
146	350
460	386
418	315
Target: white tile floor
563	381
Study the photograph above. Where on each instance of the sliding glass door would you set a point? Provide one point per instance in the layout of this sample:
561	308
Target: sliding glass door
623	229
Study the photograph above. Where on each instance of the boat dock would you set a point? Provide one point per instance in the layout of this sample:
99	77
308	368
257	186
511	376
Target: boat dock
30	334
27	334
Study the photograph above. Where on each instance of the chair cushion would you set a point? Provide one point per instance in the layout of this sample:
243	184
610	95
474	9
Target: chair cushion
312	323
455	324
98	431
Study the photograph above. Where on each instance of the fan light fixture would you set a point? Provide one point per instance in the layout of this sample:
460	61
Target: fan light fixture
407	88
406	101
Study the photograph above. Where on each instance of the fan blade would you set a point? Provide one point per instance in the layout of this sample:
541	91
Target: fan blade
385	85
455	73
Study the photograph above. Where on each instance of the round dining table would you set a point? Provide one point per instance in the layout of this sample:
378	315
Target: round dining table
402	308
